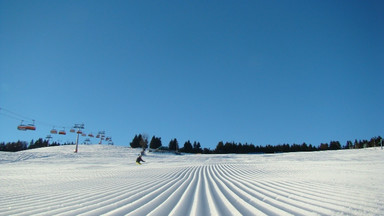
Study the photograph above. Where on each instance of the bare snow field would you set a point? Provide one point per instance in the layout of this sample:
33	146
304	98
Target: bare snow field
105	180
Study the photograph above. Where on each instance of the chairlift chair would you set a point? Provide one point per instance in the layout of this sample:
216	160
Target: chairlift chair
24	127
62	132
53	131
30	127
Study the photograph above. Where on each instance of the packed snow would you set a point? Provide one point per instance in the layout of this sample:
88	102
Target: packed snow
106	180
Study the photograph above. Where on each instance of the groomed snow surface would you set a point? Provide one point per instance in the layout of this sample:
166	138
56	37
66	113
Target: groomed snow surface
106	180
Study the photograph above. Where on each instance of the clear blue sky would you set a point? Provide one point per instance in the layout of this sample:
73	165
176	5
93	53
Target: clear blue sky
261	72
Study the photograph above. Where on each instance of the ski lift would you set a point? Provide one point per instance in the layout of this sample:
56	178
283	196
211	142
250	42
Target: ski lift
62	132
87	141
53	131
24	127
98	136
91	135
72	130
31	126
79	132
21	126
83	134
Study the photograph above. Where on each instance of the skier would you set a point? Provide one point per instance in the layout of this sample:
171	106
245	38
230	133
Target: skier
139	159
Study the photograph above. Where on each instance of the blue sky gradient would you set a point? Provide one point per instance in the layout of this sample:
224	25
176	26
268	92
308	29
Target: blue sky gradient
261	72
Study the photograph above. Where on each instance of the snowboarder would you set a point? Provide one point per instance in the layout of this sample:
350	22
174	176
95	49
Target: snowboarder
139	159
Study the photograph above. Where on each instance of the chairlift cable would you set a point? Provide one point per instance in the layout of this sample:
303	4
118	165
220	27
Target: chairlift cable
17	116
31	126
9	116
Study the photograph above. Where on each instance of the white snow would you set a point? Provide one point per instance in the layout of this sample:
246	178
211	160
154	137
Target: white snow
106	180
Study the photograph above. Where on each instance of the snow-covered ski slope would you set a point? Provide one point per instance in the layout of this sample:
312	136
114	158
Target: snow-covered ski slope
106	180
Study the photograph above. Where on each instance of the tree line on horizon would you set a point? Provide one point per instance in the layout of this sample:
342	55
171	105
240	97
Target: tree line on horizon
23	145
141	141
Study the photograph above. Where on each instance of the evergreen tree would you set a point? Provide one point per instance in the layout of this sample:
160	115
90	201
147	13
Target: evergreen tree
349	145
312	148
220	148
334	145
173	145
144	141
356	144
38	144
207	151
14	146
187	147
155	142
136	141
304	147
252	149
323	146
197	147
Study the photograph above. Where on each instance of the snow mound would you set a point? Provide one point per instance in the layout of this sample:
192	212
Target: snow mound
106	180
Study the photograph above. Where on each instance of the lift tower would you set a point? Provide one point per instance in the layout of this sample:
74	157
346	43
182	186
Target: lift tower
79	127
